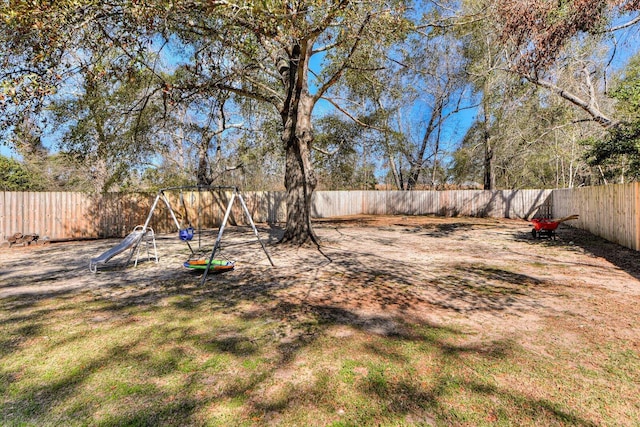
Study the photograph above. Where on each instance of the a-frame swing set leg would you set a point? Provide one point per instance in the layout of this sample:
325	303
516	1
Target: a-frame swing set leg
255	230
221	231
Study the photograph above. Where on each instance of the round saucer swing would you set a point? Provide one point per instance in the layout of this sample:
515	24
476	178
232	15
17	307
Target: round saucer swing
214	266
187	233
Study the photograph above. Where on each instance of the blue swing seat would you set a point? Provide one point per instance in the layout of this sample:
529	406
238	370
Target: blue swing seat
186	234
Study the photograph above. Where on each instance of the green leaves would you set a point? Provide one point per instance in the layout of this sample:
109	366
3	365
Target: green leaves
627	90
619	148
16	177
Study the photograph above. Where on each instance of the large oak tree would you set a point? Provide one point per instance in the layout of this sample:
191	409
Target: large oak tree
262	50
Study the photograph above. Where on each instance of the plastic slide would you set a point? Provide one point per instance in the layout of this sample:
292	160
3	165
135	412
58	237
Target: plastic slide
129	242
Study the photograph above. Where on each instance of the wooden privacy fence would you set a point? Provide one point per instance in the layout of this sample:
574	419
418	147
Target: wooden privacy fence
609	211
495	204
66	215
71	215
612	211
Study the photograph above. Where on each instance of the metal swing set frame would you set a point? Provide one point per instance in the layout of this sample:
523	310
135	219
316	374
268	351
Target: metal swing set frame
235	194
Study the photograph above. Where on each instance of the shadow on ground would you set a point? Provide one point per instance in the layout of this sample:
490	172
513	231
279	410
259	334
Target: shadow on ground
263	345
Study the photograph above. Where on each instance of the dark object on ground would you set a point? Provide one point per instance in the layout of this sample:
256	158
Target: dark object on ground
19	239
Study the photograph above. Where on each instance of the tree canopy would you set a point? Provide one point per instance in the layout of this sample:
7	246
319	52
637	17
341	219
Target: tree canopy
256	50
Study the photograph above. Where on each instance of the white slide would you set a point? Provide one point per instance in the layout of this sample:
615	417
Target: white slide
129	242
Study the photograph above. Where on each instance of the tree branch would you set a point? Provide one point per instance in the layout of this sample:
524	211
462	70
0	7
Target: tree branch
623	26
336	76
333	12
588	106
355	119
325	152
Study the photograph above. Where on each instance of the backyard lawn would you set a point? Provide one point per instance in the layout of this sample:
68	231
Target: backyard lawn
396	321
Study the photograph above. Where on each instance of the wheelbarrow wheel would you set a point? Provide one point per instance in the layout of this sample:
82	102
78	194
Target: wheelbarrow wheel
534	233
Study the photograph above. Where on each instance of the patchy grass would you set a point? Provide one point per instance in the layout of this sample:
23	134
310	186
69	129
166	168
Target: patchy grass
467	323
190	358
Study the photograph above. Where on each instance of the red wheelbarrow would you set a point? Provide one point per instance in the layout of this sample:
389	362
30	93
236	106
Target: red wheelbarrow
547	227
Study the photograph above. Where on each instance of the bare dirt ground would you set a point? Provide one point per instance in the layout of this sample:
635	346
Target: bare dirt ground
485	274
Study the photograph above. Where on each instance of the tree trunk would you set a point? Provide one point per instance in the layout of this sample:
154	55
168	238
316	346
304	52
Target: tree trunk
418	161
488	165
300	180
297	137
203	175
397	176
489	179
435	155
